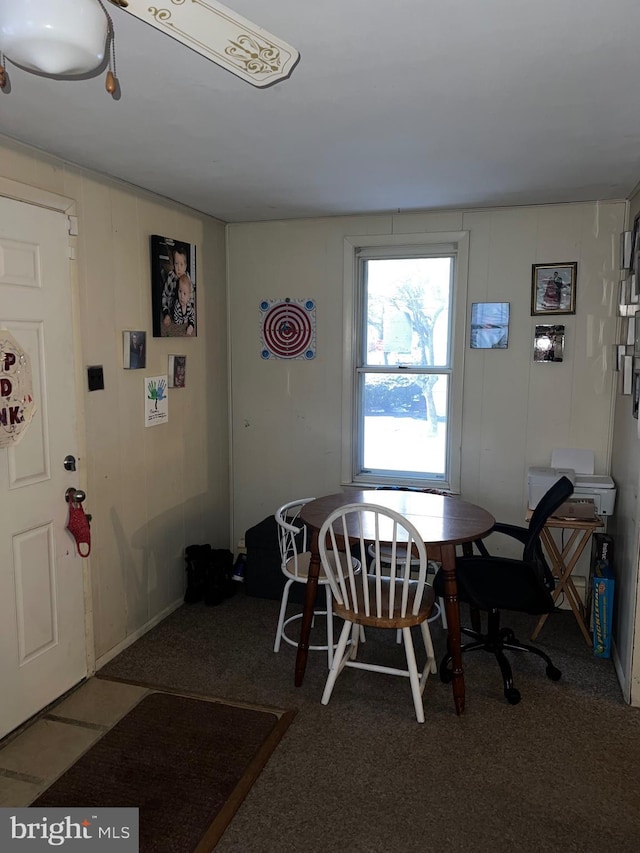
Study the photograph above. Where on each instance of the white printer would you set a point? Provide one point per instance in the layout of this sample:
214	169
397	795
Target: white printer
577	465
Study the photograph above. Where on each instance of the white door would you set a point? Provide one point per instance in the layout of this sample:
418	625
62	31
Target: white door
42	618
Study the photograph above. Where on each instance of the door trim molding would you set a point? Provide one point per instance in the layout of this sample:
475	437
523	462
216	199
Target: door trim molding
37	196
67	206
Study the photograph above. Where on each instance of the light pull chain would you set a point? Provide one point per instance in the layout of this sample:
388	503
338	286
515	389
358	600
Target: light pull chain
111	82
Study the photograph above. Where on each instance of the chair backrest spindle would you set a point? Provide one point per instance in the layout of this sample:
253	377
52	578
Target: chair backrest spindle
292	536
393	591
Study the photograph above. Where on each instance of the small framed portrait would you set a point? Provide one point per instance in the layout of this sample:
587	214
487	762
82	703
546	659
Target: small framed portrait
548	344
177	371
173	288
134	350
489	325
553	288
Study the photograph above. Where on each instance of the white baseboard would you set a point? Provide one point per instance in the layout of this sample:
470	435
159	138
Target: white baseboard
617	664
131	638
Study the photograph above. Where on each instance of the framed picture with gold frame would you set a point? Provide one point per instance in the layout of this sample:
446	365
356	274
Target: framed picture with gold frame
553	288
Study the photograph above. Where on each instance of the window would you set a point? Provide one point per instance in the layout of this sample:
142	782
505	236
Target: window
405	368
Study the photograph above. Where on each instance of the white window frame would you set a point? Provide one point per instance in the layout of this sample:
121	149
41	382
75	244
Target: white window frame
448	242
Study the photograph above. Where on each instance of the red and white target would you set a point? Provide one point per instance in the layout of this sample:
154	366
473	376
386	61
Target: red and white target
288	328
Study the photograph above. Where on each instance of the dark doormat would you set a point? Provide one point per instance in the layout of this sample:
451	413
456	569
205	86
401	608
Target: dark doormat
186	762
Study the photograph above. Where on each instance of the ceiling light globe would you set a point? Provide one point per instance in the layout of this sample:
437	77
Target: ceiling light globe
53	36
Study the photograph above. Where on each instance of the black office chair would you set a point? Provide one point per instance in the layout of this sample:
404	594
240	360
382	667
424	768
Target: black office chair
493	584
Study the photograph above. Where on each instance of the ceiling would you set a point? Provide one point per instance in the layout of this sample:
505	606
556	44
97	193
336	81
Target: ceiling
401	105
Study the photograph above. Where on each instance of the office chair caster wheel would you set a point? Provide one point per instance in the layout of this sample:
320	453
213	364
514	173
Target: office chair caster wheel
512	695
553	673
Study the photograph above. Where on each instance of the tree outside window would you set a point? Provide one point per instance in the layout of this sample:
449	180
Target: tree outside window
405	366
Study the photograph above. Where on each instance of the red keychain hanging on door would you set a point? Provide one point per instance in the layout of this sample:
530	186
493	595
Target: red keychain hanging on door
78	523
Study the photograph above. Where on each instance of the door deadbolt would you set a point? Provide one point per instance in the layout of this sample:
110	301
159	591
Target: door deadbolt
69	463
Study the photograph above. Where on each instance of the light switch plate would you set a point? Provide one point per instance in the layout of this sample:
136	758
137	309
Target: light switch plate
95	377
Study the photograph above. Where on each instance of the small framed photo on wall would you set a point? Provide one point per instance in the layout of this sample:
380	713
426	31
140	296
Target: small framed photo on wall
173	288
177	371
489	325
553	288
134	350
548	344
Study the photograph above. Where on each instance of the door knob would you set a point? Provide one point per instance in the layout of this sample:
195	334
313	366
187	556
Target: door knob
73	495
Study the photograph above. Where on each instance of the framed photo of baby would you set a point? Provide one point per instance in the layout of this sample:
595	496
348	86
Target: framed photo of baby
173	288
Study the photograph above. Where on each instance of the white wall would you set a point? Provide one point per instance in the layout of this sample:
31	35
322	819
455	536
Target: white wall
286	415
625	528
150	491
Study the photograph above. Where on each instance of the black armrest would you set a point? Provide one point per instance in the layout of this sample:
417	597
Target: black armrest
513	530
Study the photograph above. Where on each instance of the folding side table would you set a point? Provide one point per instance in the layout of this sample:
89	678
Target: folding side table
564	561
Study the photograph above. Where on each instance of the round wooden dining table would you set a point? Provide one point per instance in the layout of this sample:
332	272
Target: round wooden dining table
443	522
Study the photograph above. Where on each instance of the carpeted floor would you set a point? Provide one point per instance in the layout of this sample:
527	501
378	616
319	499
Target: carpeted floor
558	772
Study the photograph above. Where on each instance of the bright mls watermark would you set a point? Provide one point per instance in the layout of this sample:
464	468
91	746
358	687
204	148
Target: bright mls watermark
80	829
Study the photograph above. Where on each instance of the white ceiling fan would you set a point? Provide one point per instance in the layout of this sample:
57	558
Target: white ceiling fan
72	37
222	36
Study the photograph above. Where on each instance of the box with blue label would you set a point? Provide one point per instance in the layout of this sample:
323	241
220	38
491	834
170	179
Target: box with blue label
603	590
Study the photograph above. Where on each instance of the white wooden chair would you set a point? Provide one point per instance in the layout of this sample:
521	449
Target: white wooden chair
433	567
295	558
391	600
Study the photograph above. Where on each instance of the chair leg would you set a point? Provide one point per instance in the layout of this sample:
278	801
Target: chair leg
476	622
523	647
413	674
336	666
496	641
283	611
430	665
511	694
432	569
356	635
443	614
438	612
445	671
329	625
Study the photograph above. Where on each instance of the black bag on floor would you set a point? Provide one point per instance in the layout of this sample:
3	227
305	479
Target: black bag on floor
209	573
219	570
196	573
263	577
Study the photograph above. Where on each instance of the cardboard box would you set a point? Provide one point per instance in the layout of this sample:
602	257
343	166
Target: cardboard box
576	510
601	549
603	585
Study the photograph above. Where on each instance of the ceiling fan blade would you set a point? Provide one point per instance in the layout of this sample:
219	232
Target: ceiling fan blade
220	35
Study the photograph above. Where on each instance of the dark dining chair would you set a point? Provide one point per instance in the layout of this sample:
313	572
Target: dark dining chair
491	584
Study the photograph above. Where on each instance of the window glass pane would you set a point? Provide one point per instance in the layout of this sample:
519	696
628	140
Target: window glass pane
407	304
405	423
